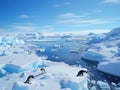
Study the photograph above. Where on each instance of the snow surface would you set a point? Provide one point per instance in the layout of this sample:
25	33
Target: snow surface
18	60
59	76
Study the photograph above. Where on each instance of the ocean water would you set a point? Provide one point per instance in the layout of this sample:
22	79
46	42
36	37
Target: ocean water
63	53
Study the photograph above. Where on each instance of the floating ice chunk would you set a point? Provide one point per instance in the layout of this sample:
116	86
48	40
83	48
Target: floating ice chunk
55	46
74	51
110	67
42	49
57	57
93	56
103	85
93	88
113	84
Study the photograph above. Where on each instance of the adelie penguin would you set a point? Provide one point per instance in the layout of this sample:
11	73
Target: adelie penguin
29	79
81	72
42	71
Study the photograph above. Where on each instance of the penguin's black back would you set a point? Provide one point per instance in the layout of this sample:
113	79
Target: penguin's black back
27	81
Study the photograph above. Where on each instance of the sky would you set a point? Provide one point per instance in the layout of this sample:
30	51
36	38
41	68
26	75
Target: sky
59	15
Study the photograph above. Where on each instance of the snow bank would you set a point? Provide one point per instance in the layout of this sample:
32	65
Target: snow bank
112	67
93	56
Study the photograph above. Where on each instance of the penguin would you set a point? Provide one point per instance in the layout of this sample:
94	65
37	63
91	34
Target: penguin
42	71
29	79
81	72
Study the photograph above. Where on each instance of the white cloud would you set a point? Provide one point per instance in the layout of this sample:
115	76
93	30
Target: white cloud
89	31
67	3
99	11
62	4
46	28
24	16
69	15
78	32
56	5
24	28
111	1
78	20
